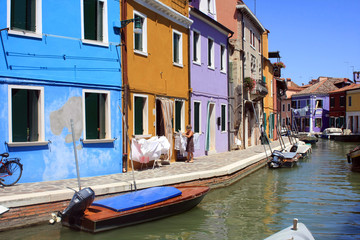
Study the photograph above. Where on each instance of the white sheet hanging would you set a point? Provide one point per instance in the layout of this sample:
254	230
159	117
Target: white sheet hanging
143	150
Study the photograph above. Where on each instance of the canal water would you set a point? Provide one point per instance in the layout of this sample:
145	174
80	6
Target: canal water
321	192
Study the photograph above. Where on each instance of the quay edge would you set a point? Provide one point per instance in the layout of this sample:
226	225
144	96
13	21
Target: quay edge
36	208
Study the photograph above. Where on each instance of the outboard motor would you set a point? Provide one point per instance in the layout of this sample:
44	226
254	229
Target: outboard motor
79	203
277	157
294	148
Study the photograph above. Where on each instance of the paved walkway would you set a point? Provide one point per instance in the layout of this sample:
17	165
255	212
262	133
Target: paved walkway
220	164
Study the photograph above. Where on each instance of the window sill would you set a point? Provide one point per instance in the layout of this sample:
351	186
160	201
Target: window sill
94	141
94	42
142	136
211	68
145	54
26	144
222	71
25	33
178	64
197	63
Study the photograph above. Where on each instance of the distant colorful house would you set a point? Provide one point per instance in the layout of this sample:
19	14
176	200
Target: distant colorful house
60	62
157	68
353	109
286	112
338	106
311	106
209	80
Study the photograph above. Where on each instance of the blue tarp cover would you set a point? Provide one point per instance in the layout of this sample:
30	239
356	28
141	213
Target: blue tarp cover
138	199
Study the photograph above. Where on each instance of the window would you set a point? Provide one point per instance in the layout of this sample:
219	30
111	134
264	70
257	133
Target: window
287	120
140	32
318	122
288	107
140	115
308	103
27	111
97	114
25	15
223	58
349	101
179	115
211	53
95	20
342	101
319	103
197	116
196	47
294	104
307	122
252	38
177	48
332	102
283	107
223	117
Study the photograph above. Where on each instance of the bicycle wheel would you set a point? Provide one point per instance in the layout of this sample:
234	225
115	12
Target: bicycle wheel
10	173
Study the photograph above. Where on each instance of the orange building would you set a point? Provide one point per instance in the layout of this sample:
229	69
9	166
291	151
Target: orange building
155	62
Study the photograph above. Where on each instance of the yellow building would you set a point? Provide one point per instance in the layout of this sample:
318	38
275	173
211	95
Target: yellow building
353	109
268	76
156	68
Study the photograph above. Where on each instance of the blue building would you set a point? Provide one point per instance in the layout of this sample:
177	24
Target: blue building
60	61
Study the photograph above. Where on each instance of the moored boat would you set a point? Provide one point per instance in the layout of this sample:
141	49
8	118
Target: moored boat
328	133
353	157
133	208
308	139
283	159
298	231
347	138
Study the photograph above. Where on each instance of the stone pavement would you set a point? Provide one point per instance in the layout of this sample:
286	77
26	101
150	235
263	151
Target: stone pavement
205	167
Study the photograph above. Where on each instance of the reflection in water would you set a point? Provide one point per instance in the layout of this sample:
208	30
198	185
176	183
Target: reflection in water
321	192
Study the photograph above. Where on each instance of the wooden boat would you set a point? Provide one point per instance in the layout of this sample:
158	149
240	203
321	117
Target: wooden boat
283	159
353	157
134	208
298	231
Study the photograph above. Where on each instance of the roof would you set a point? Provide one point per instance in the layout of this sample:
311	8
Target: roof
350	87
324	86
274	54
242	7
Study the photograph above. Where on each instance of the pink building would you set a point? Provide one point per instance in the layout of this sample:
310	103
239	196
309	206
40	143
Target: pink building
285	110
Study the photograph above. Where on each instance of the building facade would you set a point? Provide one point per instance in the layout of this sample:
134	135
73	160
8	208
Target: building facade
353	109
157	88
208	80
58	66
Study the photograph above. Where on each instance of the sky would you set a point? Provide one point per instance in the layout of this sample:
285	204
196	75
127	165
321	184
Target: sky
315	37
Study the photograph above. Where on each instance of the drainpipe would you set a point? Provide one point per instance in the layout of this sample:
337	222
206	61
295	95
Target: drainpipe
189	76
123	7
228	89
243	75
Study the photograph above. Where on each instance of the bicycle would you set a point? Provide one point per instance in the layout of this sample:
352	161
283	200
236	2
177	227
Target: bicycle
10	170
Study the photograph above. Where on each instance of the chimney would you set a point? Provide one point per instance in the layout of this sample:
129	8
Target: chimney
288	79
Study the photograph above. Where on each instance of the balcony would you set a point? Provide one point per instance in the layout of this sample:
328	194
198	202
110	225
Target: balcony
259	91
277	71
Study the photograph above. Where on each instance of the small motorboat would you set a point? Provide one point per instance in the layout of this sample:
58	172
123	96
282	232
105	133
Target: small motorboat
283	159
329	132
308	139
353	157
298	231
129	208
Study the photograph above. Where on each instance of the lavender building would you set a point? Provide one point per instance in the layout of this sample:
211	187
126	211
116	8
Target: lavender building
209	81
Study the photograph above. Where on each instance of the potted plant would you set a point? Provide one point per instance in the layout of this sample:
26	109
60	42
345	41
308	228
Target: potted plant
249	83
279	64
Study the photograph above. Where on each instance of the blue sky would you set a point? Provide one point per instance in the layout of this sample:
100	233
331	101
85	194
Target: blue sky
315	37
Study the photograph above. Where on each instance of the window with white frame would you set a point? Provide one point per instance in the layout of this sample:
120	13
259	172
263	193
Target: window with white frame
211	53
95	20
140	114
196	47
140	32
223	117
97	114
252	38
197	116
26	117
25	15
223	58
318	122
179	116
177	48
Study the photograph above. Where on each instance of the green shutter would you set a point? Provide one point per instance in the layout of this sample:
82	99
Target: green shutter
265	122
33	113
178	105
19	115
223	117
139	103
92	115
23	14
196	117
90	19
